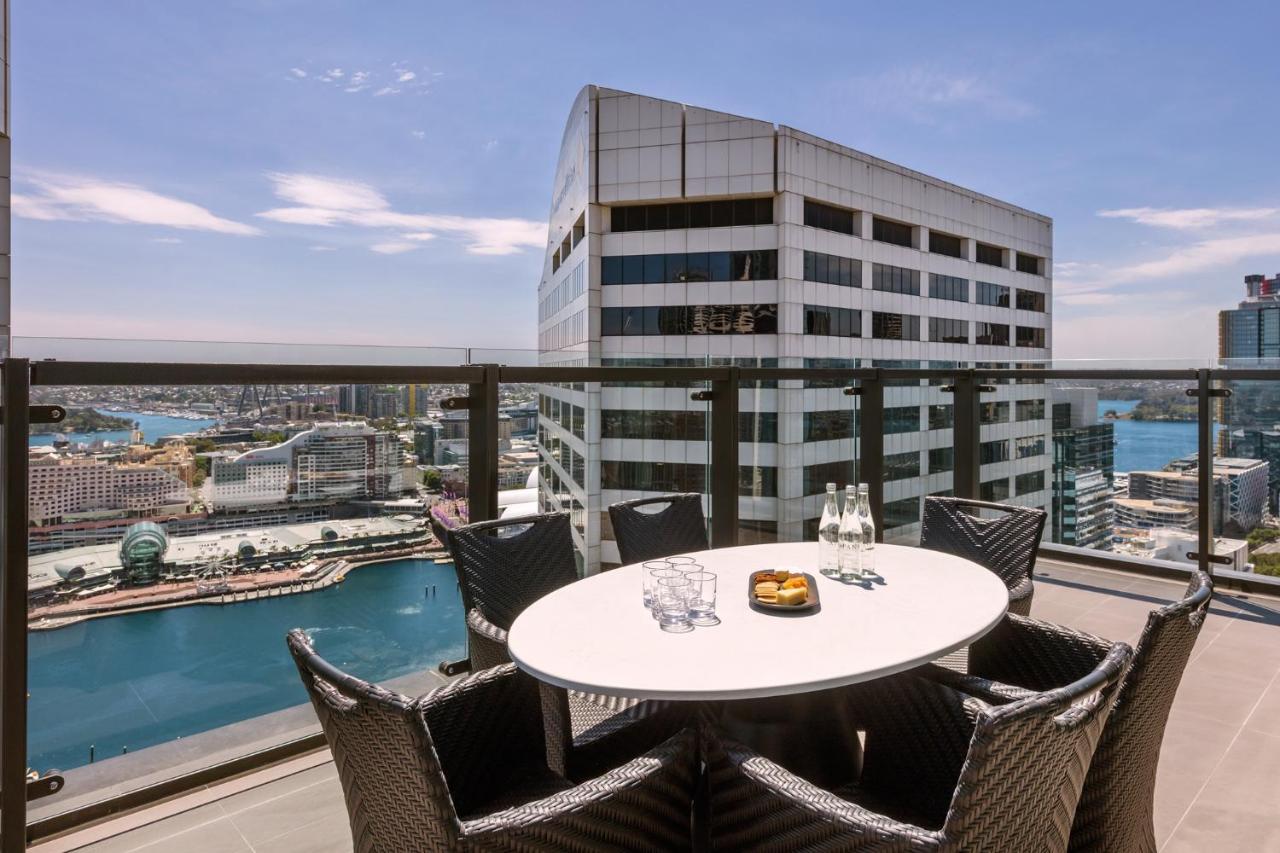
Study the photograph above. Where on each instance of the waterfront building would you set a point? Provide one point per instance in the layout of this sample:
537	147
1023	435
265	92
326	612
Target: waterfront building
1083	470
1249	336
1256	443
67	488
1240	488
329	463
684	236
1149	514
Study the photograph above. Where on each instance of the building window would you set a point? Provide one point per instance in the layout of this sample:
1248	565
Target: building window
1030	410
830	425
991	334
832	269
994	413
901	466
944	330
893	279
902	512
1030	336
757	481
1029	446
1027	263
945	244
819	215
1026	483
900	419
653	476
690	320
1030	300
990	452
888	231
993	294
837	322
942	460
698	214
654	424
755	265
994	490
842	472
758	427
948	287
990	255
895	327
941	416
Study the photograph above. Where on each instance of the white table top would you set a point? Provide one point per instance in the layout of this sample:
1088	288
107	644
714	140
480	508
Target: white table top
596	636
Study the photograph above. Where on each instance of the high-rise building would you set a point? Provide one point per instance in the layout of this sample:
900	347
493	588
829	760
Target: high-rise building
330	463
1083	511
1239	490
85	487
684	236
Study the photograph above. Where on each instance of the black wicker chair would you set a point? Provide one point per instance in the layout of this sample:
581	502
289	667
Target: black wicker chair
463	768
942	771
1022	655
503	567
1006	544
640	535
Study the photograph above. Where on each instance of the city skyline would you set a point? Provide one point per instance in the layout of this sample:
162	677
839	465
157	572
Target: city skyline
414	161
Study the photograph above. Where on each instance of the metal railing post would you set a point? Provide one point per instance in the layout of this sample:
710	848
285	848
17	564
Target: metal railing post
722	481
16	397
1204	470
871	457
967	476
482	447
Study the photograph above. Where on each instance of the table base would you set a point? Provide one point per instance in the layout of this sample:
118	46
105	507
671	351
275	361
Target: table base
806	733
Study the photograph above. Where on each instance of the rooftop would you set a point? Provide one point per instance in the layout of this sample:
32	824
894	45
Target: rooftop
1215	787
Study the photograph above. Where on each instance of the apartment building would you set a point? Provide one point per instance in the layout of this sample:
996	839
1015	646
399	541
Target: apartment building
685	236
82	487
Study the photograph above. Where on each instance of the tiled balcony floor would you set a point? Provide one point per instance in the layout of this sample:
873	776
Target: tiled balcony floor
1216	789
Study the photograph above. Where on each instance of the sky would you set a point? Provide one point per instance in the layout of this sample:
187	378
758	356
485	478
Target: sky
380	173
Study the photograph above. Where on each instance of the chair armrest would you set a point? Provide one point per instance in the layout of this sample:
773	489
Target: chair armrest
756	803
482	726
486	642
656	788
1035	655
991	692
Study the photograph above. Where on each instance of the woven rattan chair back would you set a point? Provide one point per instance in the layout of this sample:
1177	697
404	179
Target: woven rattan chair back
391	776
504	566
1115	812
677	529
1027	762
1005	544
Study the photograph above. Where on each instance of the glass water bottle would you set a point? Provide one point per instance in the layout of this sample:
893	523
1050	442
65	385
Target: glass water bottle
850	536
829	536
867	542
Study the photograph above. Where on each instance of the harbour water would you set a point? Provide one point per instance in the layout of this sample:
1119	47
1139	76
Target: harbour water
152	426
141	679
1149	445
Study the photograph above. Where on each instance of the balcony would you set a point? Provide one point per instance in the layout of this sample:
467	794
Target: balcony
254	776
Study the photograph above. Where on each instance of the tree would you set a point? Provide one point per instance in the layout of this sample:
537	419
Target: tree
432	480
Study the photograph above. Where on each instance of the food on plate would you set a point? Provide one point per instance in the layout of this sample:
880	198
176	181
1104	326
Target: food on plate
792	596
767	591
769	577
797	582
782	575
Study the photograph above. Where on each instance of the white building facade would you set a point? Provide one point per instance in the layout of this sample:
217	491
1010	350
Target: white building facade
683	236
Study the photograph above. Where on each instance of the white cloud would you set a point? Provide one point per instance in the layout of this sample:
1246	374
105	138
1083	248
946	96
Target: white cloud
358	83
89	199
921	92
386	90
394	247
405	76
1193	218
166	239
329	202
331	76
298	73
490	145
323	249
399	79
418	134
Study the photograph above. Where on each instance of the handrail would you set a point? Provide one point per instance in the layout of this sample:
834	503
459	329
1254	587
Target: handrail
482	402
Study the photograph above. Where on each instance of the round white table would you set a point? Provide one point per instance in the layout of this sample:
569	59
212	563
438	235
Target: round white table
596	636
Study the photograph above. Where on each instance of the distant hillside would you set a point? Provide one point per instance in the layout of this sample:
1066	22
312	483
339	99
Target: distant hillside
84	420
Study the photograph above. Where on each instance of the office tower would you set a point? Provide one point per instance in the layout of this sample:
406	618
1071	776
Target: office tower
683	236
1249	336
1083	511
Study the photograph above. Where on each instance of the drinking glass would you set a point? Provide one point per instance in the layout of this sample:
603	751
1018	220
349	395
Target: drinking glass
684	564
672	596
702	598
646	579
655	575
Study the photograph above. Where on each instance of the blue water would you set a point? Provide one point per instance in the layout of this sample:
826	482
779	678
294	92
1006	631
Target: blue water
1149	445
152	426
141	679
